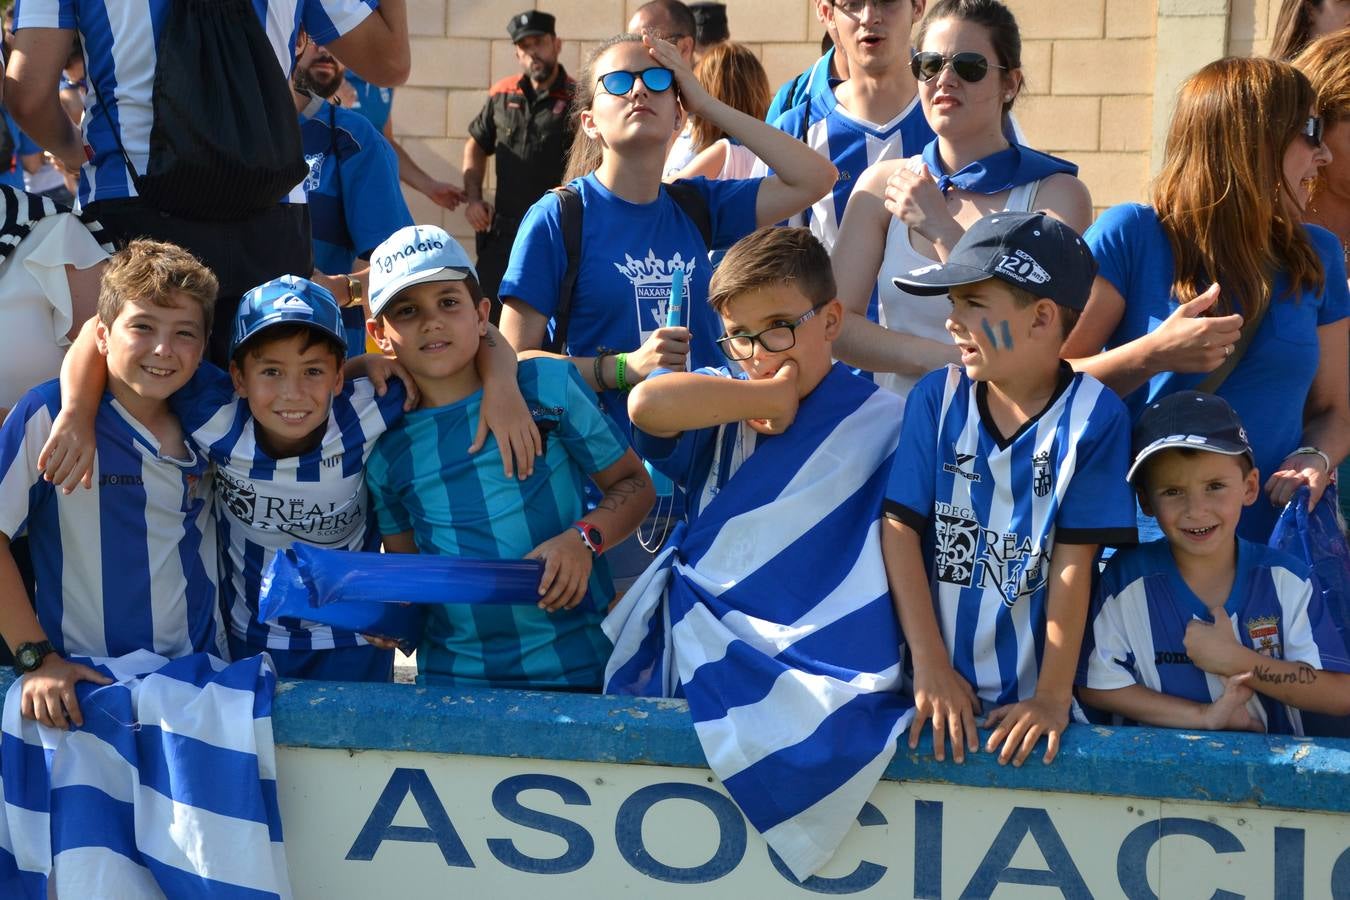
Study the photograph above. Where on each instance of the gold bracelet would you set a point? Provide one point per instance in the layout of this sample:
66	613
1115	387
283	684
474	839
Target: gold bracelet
356	293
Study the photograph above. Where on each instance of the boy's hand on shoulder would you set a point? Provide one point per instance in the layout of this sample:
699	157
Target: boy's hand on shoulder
942	695
1213	647
1229	712
667	348
1018	726
507	416
379	369
567	570
67	458
785	400
48	694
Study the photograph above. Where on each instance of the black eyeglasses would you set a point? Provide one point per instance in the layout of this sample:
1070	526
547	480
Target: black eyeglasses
854	8
968	65
738	347
657	79
1313	130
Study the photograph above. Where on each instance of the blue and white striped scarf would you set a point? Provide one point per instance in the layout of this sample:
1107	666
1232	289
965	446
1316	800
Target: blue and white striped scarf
168	790
771	614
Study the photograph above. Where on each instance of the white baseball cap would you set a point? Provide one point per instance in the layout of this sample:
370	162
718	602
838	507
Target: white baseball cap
415	254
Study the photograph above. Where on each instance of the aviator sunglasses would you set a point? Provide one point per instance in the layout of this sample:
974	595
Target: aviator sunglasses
1313	130
968	65
657	79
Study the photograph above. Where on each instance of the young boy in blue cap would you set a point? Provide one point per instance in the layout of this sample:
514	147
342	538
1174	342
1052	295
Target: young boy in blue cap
1203	629
1009	478
431	496
290	432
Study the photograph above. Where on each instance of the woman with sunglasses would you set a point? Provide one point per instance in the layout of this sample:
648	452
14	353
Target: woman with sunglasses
1219	285
909	213
1326	62
634	235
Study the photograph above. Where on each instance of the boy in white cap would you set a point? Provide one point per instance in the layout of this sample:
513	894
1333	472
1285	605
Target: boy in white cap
1203	629
431	496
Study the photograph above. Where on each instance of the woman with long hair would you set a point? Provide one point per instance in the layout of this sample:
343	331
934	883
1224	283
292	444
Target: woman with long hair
1326	62
1220	286
908	213
1300	22
733	74
634	235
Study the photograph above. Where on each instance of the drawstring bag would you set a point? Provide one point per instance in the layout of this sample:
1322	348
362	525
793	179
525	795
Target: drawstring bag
1318	538
225	139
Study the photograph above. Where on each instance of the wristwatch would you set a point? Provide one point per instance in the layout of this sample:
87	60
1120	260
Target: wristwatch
590	536
28	657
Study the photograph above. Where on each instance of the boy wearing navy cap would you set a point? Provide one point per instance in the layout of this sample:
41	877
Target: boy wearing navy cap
1203	629
1009	477
431	496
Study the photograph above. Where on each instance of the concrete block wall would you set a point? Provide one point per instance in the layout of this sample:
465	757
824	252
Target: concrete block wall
1100	73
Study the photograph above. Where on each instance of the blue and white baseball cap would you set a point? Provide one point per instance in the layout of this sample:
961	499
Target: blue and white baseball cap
288	300
412	255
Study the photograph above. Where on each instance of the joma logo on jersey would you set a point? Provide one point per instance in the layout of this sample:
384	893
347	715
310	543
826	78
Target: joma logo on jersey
112	479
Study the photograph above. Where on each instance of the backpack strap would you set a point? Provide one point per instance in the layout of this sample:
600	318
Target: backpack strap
687	197
570	210
694	204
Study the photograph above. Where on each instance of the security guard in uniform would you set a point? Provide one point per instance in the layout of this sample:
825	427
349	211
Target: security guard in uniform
525	125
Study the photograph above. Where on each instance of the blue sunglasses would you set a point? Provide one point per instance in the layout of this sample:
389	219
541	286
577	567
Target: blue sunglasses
657	79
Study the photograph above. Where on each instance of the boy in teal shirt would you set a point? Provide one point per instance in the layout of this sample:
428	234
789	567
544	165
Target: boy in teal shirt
431	496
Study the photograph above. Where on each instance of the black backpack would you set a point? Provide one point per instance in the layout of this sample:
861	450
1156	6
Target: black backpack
687	197
225	139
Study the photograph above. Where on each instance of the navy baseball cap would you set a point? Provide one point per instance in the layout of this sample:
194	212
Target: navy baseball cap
530	23
1190	420
1032	251
415	254
288	300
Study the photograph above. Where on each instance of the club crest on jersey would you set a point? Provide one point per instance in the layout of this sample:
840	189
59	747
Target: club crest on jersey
1040	473
1264	632
651	277
315	163
1022	267
959	467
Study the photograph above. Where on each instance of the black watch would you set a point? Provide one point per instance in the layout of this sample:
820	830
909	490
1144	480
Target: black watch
590	536
28	657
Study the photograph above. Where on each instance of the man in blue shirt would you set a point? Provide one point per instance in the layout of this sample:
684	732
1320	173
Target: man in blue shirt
370	35
352	188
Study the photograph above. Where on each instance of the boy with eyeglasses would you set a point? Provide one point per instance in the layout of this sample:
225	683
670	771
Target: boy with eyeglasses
774	599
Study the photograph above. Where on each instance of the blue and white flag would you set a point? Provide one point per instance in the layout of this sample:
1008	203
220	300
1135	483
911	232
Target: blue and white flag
771	614
168	790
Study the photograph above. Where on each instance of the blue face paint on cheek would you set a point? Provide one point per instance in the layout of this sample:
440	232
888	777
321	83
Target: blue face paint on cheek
989	333
1007	335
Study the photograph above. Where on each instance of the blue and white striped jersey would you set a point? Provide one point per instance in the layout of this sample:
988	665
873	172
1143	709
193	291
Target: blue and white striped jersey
128	565
992	509
1143	606
264	504
119	40
852	144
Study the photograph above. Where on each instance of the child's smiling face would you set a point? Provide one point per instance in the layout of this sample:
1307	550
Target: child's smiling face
289	387
1197	497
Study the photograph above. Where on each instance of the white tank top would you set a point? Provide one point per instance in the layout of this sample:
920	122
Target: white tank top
907	313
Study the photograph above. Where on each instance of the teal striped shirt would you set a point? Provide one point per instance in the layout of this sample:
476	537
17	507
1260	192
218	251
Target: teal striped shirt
422	480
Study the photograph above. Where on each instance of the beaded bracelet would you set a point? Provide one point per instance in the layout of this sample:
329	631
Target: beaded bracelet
597	370
620	372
